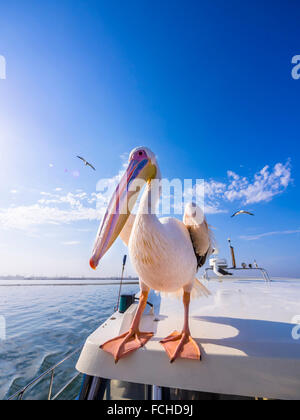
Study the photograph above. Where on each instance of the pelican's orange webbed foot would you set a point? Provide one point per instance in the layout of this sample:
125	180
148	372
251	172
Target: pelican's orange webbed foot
181	345
126	343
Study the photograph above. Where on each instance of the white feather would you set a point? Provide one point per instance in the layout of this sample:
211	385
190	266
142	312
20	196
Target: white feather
162	250
198	291
201	235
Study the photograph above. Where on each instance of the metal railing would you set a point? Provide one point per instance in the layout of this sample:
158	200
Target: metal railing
50	372
264	272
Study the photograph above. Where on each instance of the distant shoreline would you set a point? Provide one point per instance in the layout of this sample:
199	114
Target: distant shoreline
14	278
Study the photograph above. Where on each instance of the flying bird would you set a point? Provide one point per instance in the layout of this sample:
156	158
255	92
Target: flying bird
166	253
242	212
86	162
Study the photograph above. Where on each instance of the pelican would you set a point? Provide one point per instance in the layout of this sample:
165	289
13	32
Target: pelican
86	162
166	253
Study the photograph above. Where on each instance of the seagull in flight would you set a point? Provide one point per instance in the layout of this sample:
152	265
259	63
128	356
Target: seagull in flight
86	162
242	212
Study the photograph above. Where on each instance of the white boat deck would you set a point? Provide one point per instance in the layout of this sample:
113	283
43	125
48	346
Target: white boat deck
244	331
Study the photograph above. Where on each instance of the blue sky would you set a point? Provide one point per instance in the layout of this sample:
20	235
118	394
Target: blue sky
206	85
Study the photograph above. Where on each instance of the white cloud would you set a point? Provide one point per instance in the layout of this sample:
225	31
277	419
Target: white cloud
60	208
14	191
74	200
211	209
263	235
265	185
124	157
52	209
213	192
233	175
207	197
71	243
213	188
23	217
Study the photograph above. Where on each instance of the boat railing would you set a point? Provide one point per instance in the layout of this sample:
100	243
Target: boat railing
19	395
264	273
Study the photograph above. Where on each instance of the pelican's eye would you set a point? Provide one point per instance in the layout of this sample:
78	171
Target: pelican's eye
139	155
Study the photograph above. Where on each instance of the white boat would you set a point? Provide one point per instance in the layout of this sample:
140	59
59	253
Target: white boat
247	331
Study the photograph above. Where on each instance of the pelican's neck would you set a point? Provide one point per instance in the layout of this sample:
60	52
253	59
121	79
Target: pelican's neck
150	196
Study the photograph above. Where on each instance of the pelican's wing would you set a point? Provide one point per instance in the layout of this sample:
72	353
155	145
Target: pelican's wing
201	234
89	164
126	231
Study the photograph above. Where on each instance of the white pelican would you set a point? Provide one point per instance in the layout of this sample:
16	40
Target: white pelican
86	162
166	253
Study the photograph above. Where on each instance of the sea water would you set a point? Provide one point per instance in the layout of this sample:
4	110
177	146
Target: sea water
42	323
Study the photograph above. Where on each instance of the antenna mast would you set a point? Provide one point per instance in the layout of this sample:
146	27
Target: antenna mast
232	254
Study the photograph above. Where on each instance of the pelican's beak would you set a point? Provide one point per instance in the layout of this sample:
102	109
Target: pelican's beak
120	206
